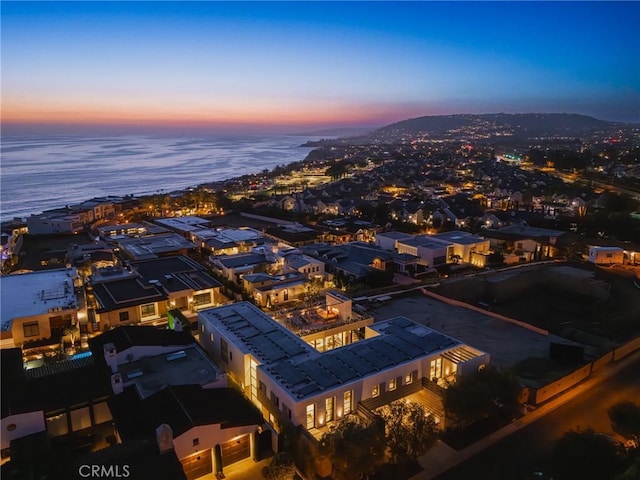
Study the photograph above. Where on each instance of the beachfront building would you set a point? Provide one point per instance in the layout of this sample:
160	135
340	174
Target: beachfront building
292	382
37	306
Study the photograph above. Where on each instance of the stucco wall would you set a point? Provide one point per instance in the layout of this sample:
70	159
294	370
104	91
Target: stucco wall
546	392
25	424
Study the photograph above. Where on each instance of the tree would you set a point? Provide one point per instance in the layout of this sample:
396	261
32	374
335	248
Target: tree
586	455
625	419
71	331
490	392
410	429
281	467
355	447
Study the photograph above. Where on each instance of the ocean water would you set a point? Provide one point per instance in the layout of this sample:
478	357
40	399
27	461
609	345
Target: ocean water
44	172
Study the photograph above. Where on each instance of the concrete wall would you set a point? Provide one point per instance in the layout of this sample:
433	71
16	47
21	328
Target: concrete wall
508	284
606	359
546	392
626	349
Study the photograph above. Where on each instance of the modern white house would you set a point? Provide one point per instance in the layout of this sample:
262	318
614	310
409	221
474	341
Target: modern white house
291	382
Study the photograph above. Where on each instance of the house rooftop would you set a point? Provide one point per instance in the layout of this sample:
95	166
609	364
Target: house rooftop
176	273
459	237
124	293
303	371
183	407
154	246
228	235
184	224
241	259
128	336
36	293
255	332
394	235
399	341
188	366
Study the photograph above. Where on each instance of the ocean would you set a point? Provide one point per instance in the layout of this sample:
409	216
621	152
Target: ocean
45	172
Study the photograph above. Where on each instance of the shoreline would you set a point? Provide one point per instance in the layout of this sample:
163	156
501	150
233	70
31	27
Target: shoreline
229	183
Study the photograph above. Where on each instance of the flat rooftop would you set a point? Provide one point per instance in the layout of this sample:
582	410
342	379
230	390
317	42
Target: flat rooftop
36	293
185	224
153	246
228	235
188	366
461	238
255	332
400	341
303	371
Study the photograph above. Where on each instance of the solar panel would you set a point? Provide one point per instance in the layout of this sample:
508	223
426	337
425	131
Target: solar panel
289	373
348	357
373	357
319	375
389	350
337	368
411	350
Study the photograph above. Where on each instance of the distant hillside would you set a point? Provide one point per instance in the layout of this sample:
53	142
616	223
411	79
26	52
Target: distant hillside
517	125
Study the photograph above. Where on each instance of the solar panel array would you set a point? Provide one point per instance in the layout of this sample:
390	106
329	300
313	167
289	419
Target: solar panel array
264	338
398	343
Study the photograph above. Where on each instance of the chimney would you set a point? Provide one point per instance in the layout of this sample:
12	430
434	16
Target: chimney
116	383
110	356
164	437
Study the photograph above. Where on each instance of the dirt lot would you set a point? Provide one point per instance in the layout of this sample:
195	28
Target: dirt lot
507	343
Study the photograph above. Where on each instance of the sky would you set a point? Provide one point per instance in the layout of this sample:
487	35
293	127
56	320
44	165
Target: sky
295	66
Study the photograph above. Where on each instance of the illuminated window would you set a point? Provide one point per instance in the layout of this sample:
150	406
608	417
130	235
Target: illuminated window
202	299
375	391
347	405
101	413
80	419
311	416
392	384
31	329
148	310
57	425
211	337
407	378
329	407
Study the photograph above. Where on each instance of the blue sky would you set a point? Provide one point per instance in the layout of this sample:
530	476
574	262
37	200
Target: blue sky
298	65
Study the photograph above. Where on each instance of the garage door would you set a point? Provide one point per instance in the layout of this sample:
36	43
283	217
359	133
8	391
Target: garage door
197	465
235	450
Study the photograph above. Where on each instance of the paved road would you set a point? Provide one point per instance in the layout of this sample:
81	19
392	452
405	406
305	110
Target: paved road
525	450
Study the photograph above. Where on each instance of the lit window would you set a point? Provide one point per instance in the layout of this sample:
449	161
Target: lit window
31	329
408	379
375	391
392	384
148	310
211	337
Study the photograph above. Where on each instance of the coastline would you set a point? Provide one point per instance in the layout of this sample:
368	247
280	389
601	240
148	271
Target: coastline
257	153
